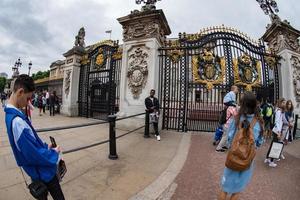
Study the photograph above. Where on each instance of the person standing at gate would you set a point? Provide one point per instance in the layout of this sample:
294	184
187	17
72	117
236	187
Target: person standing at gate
38	159
267	114
152	105
230	97
47	99
231	111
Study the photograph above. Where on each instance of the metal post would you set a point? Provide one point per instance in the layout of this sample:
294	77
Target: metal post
146	133
112	137
295	126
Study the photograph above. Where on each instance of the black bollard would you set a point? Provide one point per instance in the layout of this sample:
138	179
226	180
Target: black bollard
146	133
112	138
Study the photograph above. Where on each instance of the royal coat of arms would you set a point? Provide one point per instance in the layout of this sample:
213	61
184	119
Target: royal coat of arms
247	72
100	61
208	69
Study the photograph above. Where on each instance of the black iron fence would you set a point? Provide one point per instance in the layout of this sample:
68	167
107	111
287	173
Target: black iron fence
112	119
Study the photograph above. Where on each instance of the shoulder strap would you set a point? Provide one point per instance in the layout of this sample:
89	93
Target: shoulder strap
253	122
23	177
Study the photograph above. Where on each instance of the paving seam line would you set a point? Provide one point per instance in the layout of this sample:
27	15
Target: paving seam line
162	183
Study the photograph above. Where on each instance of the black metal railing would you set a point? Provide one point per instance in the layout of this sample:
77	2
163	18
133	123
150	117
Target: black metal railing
296	128
112	133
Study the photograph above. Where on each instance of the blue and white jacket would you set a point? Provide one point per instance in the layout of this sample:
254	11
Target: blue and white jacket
33	155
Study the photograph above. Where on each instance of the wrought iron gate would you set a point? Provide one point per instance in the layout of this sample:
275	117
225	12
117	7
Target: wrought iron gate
100	80
197	70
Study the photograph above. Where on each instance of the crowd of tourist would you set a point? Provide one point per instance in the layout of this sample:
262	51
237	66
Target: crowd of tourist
243	127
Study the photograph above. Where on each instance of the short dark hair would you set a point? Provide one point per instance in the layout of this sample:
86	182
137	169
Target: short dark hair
152	90
24	81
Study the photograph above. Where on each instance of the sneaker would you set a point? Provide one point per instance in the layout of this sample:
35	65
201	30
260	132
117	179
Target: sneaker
277	160
282	156
158	138
272	164
267	160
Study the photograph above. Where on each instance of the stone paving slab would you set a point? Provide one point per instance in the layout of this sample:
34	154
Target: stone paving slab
201	174
91	175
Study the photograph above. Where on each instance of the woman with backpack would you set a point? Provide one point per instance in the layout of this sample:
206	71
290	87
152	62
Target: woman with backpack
277	129
245	131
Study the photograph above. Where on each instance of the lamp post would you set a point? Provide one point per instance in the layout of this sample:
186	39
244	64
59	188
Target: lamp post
269	7
29	67
15	68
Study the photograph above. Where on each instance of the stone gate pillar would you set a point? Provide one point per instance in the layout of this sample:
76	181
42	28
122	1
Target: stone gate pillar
282	39
71	81
143	33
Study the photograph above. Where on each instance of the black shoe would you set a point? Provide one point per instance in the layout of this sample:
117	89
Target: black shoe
220	150
225	148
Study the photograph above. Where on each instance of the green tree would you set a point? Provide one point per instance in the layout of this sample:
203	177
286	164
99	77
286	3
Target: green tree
40	75
2	83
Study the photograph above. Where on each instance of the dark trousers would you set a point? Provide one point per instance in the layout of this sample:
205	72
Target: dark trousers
275	139
54	189
52	110
155	126
44	108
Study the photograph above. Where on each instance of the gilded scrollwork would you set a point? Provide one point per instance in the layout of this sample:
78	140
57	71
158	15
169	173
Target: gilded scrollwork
85	59
175	55
247	72
100	60
271	61
208	69
137	71
118	55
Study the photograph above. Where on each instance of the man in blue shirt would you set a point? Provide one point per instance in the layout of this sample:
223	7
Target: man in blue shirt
230	97
38	159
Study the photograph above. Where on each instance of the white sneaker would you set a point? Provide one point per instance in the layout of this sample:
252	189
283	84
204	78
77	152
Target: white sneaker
282	156
267	160
158	138
272	164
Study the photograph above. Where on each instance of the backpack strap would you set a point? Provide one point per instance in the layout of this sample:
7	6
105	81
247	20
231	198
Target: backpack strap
253	122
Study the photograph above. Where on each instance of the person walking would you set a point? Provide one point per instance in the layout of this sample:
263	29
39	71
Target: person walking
47	99
152	105
233	182
290	116
44	103
40	103
267	113
3	99
52	102
231	112
277	129
38	159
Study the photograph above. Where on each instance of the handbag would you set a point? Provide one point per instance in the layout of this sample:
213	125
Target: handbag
276	150
37	188
61	170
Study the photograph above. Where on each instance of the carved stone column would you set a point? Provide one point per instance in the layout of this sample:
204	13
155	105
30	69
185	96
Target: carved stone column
71	81
143	33
282	39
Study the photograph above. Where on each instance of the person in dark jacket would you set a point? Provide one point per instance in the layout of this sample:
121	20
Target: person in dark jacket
38	159
152	105
52	102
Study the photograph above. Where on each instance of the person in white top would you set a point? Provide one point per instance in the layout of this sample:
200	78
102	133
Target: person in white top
47	99
277	130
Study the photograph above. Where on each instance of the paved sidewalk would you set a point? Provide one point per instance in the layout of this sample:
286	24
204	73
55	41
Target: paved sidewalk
91	175
200	177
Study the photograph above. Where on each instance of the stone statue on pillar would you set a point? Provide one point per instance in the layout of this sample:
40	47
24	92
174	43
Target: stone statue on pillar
282	39
79	39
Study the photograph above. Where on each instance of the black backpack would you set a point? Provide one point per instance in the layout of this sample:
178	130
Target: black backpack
223	115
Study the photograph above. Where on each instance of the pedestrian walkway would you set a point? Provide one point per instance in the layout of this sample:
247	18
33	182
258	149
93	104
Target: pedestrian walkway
201	174
182	166
91	175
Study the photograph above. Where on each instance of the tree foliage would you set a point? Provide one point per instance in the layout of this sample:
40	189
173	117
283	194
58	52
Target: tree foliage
2	83
40	75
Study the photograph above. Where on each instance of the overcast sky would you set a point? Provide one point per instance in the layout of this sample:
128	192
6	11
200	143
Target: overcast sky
42	30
